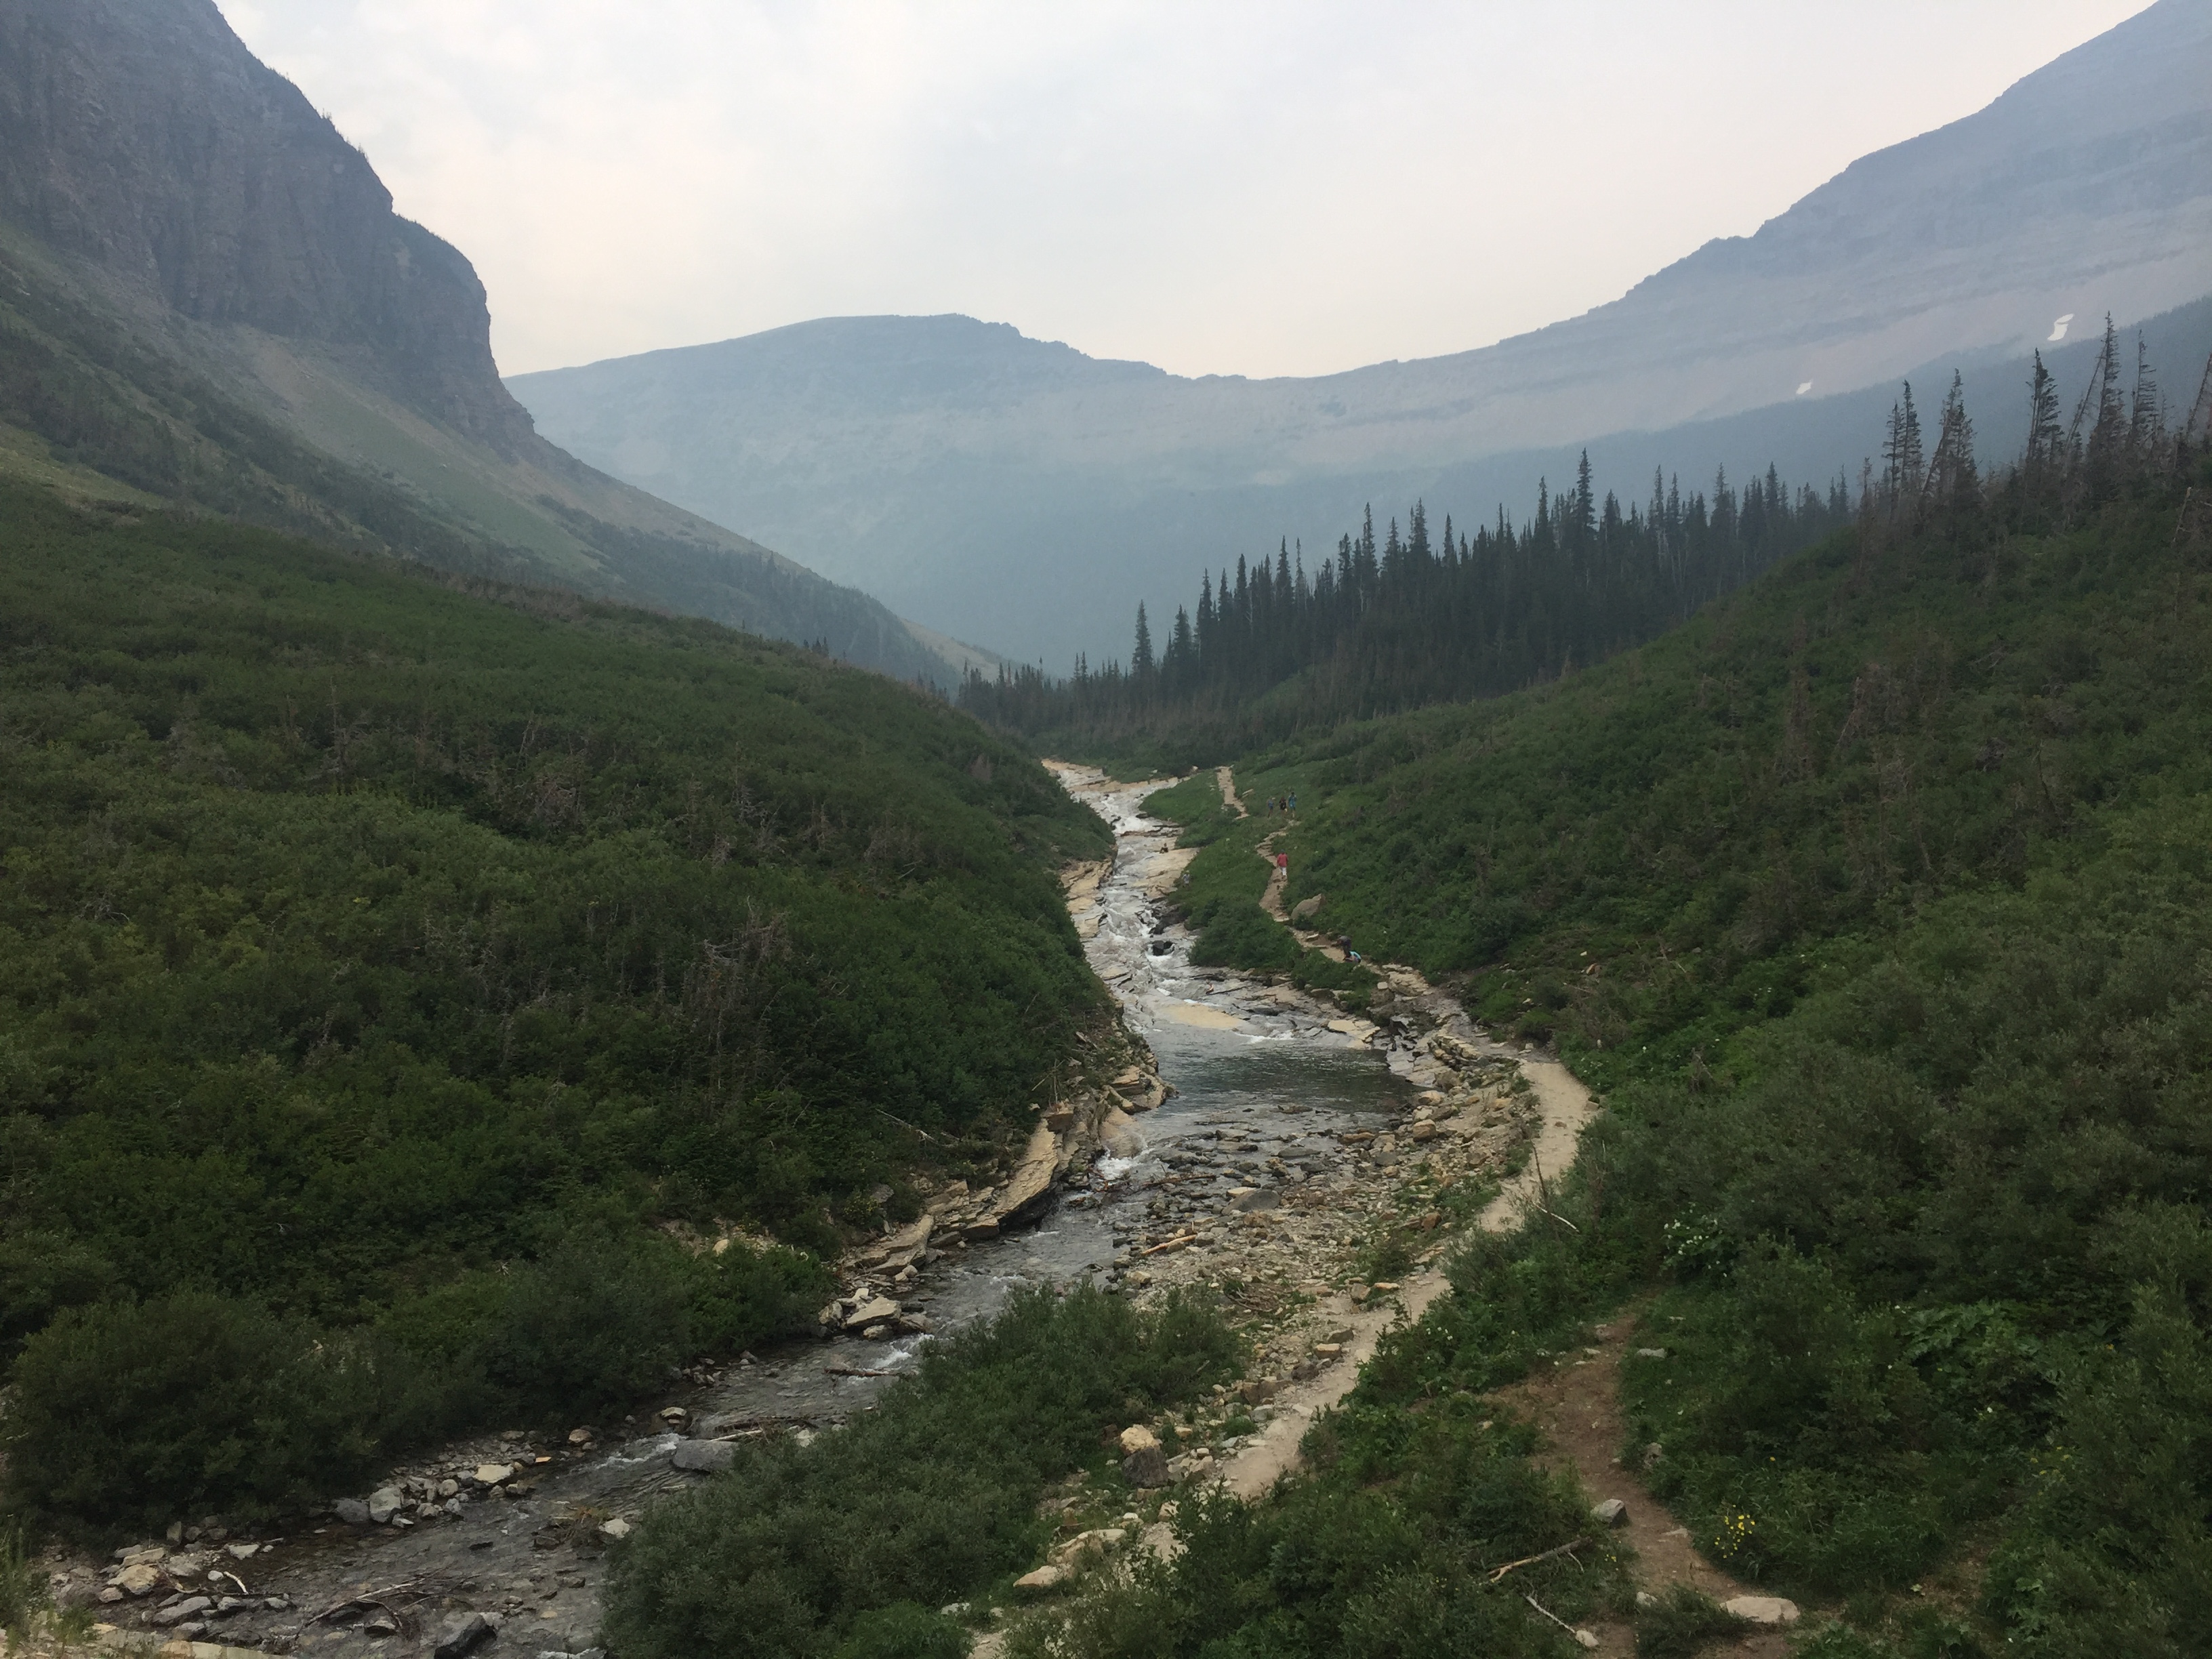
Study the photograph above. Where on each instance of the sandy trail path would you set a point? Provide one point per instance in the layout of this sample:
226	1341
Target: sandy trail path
1576	1402
1577	1405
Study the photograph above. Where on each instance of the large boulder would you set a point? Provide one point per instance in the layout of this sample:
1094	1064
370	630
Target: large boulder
1028	1189
1120	1135
385	1503
1143	1462
1770	1610
876	1310
704	1456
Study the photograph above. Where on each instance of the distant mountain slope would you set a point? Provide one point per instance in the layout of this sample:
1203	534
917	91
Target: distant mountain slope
1023	490
205	295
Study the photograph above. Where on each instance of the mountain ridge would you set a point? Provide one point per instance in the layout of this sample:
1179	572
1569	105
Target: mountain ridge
210	302
1044	519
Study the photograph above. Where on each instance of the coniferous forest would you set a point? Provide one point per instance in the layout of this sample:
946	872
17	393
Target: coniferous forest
1420	616
1423	616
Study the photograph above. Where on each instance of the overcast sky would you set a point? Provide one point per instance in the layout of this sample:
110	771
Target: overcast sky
1215	186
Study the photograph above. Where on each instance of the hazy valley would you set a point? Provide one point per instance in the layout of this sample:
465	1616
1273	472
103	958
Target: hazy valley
1629	1071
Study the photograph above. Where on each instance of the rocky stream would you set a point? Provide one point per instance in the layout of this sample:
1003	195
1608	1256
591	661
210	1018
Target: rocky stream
1264	1142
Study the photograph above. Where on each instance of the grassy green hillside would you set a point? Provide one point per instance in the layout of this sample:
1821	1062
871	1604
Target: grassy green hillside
362	934
1877	900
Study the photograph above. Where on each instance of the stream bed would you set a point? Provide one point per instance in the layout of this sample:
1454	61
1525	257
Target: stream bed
1262	1087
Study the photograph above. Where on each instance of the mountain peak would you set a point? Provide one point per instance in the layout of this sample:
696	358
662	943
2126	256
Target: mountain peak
147	140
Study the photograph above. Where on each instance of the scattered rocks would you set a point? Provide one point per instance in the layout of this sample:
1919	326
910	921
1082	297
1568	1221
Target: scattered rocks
1246	1200
581	1436
352	1511
184	1610
462	1634
492	1475
385	1503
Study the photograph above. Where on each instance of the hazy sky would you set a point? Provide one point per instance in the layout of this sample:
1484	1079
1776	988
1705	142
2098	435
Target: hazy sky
1215	186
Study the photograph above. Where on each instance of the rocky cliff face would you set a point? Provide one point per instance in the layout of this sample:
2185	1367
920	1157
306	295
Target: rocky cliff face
143	136
335	375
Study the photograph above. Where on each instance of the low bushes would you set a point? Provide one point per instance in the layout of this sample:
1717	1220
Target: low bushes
594	1323
139	1413
835	1548
1414	1492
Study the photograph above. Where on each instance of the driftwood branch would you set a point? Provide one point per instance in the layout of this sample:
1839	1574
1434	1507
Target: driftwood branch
1498	1573
366	1599
1549	1615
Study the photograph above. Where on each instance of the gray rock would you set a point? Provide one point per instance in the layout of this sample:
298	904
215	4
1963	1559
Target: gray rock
1246	1200
1651	1353
874	1311
462	1633
1143	1462
136	1579
1613	1512
704	1456
385	1503
352	1511
184	1610
1771	1610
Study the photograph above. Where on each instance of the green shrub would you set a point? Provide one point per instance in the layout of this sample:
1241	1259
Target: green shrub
927	1500
597	1322
904	1630
591	1325
139	1413
1684	1624
747	1295
22	1585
